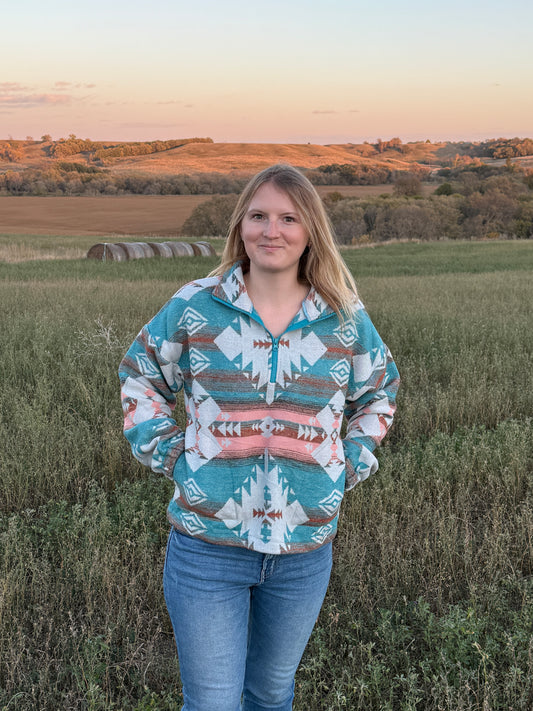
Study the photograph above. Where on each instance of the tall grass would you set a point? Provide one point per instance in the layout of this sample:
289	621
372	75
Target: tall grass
430	603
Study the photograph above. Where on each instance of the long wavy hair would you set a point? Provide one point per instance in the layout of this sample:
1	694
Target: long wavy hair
321	265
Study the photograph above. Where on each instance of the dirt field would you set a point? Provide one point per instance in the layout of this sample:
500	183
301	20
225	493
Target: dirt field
125	215
128	214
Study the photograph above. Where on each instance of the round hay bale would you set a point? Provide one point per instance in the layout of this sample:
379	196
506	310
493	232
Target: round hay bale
137	250
96	251
182	249
161	249
124	251
176	251
206	249
107	251
148	249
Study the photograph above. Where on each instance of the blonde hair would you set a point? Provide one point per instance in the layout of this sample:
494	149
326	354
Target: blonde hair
321	265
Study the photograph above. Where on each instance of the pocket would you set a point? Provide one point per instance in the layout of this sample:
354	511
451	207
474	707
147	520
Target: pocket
180	469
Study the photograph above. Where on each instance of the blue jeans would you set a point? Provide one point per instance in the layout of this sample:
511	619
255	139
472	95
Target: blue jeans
241	621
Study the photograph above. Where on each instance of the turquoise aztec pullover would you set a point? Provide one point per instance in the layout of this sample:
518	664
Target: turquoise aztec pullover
261	463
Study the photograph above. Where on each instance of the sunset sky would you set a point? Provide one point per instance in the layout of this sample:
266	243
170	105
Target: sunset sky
296	71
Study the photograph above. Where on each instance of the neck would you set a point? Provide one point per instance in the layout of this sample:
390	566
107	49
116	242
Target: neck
273	288
277	298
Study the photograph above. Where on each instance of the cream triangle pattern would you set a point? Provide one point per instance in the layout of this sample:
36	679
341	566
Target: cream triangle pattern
247	346
329	454
346	333
267	512
191	320
198	361
203	412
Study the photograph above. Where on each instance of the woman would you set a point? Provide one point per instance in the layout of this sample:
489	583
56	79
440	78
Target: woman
271	351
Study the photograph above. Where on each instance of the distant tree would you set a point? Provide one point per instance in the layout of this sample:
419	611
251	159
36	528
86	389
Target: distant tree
407	184
395	143
444	189
347	218
406	221
10	151
210	218
46	138
332	198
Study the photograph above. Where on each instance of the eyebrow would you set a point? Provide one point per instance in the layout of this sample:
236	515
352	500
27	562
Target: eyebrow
283	214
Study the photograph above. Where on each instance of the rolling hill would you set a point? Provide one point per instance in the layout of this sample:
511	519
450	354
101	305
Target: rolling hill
208	157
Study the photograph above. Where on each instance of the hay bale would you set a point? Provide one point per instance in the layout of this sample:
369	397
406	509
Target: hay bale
137	250
124	251
107	252
182	249
161	249
206	249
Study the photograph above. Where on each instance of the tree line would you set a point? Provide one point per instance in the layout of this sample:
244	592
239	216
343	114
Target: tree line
473	203
74	178
70	178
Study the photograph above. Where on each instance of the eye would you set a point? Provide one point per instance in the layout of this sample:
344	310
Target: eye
289	219
256	216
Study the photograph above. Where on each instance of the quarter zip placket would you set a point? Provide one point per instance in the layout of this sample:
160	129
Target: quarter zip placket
275	341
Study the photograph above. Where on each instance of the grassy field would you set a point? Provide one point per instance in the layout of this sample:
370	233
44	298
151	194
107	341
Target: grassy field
430	606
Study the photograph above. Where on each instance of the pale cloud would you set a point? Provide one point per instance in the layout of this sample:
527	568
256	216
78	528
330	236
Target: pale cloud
60	85
29	100
14	95
12	86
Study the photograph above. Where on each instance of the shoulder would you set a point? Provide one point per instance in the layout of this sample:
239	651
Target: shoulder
195	288
357	327
190	304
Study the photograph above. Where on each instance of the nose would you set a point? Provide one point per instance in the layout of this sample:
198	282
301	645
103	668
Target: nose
271	228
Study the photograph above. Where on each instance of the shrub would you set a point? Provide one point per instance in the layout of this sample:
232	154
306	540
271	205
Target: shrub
348	220
407	184
210	218
444	189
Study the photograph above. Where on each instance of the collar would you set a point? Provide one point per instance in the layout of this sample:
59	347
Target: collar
231	289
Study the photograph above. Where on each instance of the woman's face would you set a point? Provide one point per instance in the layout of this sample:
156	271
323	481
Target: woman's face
272	231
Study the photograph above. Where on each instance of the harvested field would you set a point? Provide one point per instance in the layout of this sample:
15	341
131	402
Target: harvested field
126	214
368	191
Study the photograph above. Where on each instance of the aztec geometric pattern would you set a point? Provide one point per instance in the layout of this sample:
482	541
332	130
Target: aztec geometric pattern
246	344
261	462
270	522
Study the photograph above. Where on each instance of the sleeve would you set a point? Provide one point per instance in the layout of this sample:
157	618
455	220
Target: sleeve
370	401
150	377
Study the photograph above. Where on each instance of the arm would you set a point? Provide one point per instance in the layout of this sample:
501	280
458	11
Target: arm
150	377
370	401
